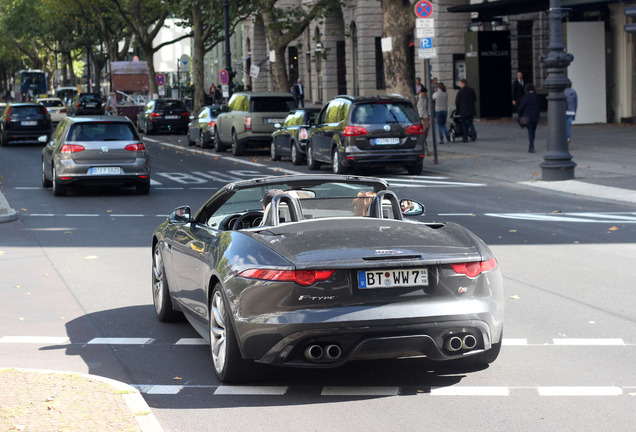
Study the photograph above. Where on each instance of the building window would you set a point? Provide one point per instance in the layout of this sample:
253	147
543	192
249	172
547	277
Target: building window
380	82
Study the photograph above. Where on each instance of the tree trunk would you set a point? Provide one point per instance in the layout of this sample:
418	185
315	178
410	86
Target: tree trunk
398	22
148	52
280	79
197	59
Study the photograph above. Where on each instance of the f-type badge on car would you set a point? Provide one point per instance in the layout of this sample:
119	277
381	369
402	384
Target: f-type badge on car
329	272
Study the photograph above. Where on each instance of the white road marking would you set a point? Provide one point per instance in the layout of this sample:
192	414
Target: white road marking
576	187
514	342
580	391
27	188
583	217
251	390
126	215
470	391
159	389
120	341
35	339
360	391
81	215
588	341
191	341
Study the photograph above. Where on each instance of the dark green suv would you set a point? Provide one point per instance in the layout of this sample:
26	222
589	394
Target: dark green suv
249	119
357	132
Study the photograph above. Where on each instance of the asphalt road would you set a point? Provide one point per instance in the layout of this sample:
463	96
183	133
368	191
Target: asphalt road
75	289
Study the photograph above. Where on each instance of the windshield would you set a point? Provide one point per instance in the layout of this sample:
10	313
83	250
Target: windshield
320	201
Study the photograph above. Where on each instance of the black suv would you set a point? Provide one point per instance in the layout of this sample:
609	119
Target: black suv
355	132
86	103
170	115
24	122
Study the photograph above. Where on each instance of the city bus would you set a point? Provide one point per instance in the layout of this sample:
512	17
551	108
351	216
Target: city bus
29	84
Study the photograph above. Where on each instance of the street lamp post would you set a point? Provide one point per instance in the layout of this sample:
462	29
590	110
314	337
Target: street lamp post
557	162
228	54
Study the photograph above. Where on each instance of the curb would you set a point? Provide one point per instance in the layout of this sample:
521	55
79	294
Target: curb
7	214
131	396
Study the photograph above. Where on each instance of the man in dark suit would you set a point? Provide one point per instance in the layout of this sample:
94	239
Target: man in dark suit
517	90
299	92
465	105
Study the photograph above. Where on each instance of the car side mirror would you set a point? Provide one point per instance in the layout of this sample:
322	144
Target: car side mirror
180	215
411	208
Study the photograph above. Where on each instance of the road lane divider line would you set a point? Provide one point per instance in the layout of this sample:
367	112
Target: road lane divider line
588	341
470	391
580	391
120	341
360	391
251	390
34	339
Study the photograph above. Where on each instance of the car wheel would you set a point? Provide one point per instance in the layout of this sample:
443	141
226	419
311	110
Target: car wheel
272	151
296	156
237	148
415	169
452	135
336	163
204	143
160	291
191	142
229	366
2	140
218	145
143	188
46	183
312	164
58	189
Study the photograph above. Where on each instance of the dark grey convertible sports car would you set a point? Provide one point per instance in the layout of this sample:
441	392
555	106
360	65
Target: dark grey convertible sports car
330	272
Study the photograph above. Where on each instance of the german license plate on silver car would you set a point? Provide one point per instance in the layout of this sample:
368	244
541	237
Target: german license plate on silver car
392	278
105	170
387	140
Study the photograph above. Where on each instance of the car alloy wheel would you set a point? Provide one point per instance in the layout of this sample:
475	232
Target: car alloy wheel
237	147
218	146
296	157
272	151
311	162
336	165
46	183
58	189
229	366
160	290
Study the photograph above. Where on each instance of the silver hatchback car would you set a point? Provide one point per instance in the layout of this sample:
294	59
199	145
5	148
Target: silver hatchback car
95	150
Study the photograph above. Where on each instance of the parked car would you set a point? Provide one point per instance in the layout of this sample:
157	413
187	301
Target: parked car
201	126
170	115
357	132
86	104
95	150
56	108
250	119
290	138
328	273
24	122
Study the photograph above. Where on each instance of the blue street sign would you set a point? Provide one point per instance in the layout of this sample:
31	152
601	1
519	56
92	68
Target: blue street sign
426	43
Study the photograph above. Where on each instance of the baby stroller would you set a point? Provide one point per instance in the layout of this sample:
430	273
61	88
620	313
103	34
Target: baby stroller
455	129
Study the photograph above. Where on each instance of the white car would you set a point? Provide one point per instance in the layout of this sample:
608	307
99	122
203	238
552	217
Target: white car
55	107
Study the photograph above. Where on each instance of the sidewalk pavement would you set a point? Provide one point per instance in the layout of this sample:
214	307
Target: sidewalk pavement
606	170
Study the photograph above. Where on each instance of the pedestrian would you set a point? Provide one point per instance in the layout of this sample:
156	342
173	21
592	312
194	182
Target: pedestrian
417	88
441	111
571	105
212	90
465	107
218	96
530	107
425	117
518	90
292	90
299	91
434	85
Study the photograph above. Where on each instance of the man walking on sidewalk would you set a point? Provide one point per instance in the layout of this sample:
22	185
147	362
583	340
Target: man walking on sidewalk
465	105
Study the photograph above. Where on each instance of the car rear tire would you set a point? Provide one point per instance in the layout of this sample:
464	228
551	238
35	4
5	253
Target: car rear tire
46	183
237	148
191	142
161	297
58	189
415	169
218	145
296	156
312	164
272	151
336	164
452	135
143	188
229	366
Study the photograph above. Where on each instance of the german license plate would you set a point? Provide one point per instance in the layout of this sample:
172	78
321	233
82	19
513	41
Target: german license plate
392	278
105	170
387	140
91	105
29	123
171	117
275	120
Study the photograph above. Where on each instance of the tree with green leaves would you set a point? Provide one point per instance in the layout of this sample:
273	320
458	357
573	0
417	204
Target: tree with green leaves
283	25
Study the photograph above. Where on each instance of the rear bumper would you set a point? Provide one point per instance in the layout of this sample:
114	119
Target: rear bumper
26	137
382	158
169	125
131	173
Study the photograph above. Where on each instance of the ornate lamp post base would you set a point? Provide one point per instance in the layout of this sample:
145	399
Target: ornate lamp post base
557	164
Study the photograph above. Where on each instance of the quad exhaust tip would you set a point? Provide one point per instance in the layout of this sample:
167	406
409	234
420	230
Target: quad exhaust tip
328	353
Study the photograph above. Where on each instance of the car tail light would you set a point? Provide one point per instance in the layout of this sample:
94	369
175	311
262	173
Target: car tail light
77	104
416	129
303	134
185	114
474	269
354	131
135	147
301	277
9	112
212	124
248	123
155	115
72	148
63	110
